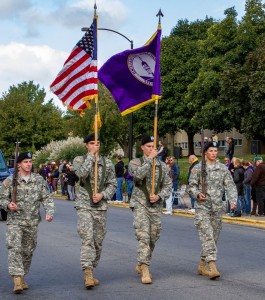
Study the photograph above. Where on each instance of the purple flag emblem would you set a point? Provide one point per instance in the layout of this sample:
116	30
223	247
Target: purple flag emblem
133	76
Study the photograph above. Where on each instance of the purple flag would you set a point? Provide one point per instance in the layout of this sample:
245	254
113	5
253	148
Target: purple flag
133	76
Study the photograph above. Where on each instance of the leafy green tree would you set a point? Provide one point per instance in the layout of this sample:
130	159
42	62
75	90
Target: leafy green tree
203	93
25	116
243	89
242	81
251	29
253	121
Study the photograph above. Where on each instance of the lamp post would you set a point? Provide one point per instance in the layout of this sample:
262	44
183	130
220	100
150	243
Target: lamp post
131	114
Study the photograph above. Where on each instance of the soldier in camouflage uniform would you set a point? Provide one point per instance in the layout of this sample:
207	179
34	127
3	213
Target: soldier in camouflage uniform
23	217
147	208
92	206
209	207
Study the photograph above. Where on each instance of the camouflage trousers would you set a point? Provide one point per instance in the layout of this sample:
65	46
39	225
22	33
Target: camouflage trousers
147	227
21	242
209	225
91	226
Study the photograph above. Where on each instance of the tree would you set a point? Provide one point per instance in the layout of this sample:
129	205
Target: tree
27	118
242	82
253	121
243	88
204	92
251	29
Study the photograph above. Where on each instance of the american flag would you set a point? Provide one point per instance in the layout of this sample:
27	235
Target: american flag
77	83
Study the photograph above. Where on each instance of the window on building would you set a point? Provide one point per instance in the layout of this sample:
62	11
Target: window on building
183	145
197	145
221	143
238	142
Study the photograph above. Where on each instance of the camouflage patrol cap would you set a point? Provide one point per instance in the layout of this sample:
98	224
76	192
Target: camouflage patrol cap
147	139
24	155
210	144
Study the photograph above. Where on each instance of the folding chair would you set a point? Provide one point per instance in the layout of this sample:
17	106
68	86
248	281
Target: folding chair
180	193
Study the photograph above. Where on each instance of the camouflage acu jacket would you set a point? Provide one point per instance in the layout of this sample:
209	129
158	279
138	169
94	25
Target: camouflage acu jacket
142	173
218	181
30	194
107	183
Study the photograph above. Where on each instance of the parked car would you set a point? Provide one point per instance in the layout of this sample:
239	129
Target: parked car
4	173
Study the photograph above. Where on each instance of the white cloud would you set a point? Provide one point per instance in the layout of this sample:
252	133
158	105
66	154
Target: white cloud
71	14
11	8
112	13
20	62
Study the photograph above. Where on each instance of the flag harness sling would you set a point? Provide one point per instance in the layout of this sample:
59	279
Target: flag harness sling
88	187
143	186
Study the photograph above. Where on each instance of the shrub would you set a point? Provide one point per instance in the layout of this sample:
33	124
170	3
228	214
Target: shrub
58	150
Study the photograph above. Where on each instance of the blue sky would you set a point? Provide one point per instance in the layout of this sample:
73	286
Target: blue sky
37	36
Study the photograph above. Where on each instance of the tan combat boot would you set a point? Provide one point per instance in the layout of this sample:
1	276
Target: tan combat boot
145	275
17	284
202	269
138	269
213	274
24	284
96	281
89	280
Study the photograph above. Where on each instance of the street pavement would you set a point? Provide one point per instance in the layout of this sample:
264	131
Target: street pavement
56	274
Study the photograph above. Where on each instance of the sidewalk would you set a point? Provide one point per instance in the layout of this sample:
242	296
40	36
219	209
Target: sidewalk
244	220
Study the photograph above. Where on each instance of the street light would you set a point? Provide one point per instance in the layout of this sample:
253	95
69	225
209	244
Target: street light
131	114
131	42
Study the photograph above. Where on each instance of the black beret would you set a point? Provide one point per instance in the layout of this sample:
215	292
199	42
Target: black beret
210	144
89	138
24	155
147	139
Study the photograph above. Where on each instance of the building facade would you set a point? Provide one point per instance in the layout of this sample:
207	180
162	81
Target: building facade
242	145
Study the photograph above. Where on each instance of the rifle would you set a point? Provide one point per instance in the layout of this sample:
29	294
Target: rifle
203	164
14	192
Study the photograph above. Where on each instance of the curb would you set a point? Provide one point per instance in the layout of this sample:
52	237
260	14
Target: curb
226	219
185	213
243	221
59	197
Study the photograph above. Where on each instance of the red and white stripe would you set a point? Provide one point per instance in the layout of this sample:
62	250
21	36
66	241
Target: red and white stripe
77	80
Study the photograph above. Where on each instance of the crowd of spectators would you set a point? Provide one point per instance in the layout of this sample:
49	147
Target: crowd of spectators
249	177
60	178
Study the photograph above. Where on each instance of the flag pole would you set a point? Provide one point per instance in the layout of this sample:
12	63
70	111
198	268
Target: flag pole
155	143
96	140
96	112
159	15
